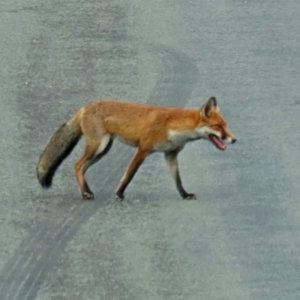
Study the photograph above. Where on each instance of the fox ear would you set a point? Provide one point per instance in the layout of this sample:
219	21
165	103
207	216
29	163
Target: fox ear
208	108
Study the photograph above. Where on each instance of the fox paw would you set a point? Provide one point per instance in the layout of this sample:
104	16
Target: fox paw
189	197
87	196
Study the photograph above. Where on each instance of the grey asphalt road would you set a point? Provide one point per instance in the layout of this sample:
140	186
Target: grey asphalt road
240	240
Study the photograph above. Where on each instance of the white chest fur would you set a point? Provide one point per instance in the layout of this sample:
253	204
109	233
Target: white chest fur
177	140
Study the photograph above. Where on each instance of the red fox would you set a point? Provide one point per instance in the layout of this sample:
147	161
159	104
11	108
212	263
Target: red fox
149	128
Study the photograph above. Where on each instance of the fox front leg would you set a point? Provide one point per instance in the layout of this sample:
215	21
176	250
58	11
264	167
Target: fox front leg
171	159
134	165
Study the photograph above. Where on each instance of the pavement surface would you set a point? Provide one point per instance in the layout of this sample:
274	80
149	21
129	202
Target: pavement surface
240	240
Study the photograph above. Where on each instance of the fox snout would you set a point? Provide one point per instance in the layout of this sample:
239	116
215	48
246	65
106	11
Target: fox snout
220	139
229	140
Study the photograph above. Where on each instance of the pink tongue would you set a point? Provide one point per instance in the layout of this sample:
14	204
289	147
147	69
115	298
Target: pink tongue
217	142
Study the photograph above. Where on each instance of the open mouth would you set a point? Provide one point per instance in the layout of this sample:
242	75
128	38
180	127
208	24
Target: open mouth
217	142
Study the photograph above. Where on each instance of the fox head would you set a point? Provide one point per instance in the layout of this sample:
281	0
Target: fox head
213	126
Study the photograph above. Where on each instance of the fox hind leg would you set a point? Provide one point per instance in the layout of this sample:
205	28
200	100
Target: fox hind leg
81	167
94	151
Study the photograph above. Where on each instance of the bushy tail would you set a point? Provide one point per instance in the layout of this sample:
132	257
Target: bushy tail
60	146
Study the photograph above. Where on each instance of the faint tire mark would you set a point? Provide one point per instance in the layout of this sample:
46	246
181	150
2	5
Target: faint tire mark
36	254
178	77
